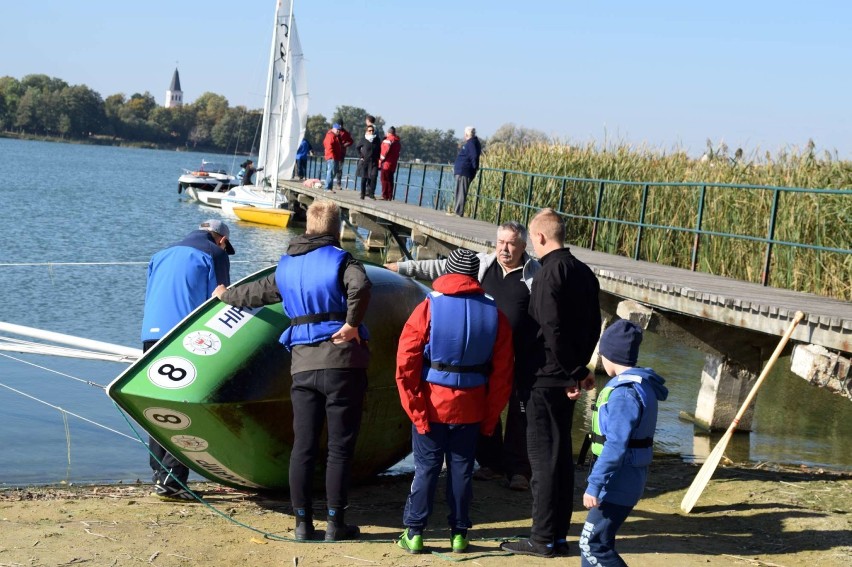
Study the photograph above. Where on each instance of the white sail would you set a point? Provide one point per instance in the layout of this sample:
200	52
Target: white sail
285	115
285	112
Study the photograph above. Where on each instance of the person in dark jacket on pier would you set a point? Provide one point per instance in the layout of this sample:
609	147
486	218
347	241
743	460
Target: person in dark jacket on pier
369	150
466	166
248	170
325	293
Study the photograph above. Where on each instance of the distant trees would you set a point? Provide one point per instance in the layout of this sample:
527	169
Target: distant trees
47	106
512	136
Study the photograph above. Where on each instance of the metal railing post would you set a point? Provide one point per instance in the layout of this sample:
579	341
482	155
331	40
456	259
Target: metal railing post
502	196
597	215
696	242
438	190
641	222
562	197
478	193
767	261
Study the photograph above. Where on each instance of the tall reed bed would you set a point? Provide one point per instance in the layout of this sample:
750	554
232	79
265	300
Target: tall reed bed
633	187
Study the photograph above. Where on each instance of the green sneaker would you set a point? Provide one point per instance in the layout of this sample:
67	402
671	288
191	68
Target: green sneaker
412	544
459	543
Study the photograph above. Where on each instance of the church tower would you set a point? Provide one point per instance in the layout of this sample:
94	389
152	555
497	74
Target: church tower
174	96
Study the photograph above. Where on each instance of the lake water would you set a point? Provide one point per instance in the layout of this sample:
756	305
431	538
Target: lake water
75	203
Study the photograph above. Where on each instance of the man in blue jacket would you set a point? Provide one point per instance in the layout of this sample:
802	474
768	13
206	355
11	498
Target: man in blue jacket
466	166
180	278
623	424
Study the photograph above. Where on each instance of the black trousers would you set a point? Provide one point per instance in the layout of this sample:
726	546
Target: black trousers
335	394
169	462
507	453
549	415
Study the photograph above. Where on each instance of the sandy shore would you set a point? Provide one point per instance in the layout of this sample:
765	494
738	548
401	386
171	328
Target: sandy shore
764	515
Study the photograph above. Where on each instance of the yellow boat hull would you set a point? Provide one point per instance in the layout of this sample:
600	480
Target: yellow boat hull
271	217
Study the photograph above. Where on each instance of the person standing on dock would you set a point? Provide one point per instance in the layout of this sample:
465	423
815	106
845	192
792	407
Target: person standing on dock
466	166
391	147
454	376
325	293
506	275
248	170
180	278
564	302
302	153
369	151
333	157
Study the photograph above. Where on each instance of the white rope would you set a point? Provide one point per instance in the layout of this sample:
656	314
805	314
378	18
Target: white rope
64	411
89	382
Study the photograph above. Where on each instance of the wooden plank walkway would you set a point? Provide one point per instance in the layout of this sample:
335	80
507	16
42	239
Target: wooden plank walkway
828	322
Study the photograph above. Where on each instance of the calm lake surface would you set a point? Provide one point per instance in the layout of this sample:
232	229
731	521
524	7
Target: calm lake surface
75	203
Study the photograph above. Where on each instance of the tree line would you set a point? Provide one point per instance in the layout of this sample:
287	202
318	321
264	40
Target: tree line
43	106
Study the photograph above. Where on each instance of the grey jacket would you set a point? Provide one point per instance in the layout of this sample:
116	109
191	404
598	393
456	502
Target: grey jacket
431	269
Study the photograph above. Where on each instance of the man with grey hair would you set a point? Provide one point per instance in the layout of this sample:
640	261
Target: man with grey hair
466	166
506	275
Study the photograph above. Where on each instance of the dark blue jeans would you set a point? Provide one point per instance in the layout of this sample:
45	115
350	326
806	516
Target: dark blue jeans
456	444
597	540
338	395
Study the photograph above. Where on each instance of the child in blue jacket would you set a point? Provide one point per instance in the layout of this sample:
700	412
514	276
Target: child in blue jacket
623	423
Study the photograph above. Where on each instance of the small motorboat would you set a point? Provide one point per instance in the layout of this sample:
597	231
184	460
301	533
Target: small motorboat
210	176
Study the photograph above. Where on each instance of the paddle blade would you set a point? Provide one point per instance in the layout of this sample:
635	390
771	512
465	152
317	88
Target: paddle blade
705	473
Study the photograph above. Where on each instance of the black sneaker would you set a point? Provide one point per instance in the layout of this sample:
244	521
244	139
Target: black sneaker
561	548
527	547
173	494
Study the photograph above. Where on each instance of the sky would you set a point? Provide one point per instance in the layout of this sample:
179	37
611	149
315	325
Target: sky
761	75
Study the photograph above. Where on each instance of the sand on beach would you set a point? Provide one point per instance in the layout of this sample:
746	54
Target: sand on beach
762	515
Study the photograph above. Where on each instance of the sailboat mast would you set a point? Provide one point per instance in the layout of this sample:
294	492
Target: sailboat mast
263	150
285	101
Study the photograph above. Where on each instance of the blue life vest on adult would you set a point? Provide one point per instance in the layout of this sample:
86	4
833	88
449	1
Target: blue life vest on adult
462	334
641	443
313	299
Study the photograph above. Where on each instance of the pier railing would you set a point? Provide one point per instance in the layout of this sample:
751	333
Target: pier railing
788	237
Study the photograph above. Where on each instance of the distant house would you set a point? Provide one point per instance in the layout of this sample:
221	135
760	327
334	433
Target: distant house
174	96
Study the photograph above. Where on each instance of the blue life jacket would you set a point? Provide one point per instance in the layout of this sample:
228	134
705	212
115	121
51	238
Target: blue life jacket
641	444
462	333
313	299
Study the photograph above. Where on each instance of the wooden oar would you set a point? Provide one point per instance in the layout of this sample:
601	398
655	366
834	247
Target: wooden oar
709	466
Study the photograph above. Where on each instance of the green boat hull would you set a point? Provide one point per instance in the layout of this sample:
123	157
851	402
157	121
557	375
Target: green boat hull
215	391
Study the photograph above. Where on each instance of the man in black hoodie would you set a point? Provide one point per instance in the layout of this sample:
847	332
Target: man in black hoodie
564	302
325	292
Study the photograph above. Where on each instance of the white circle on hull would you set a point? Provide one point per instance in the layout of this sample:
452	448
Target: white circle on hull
203	343
167	418
172	372
190	442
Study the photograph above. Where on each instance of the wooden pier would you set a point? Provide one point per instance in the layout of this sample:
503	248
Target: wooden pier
737	324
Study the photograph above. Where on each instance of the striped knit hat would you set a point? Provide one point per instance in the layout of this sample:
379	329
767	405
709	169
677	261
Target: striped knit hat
463	261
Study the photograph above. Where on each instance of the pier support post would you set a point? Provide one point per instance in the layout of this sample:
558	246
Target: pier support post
724	387
823	368
372	242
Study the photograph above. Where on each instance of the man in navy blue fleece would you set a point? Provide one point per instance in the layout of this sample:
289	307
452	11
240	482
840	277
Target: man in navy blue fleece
623	424
466	166
180	278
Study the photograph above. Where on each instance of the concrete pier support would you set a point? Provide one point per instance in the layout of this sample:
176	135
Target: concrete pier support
724	387
376	233
824	368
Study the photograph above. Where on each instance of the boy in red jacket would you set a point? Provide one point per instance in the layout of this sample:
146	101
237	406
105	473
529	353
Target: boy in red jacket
454	375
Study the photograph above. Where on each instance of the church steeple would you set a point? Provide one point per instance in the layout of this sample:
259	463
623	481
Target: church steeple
174	96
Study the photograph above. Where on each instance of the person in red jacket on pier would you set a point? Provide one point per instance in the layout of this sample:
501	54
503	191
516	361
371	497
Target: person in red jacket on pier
388	159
